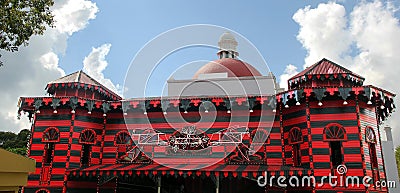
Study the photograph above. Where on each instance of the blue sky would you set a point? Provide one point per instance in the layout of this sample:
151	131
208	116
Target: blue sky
128	26
102	37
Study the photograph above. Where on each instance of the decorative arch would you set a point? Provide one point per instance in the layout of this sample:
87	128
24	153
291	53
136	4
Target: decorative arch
370	138
123	138
87	136
295	136
370	135
259	136
42	190
51	135
334	132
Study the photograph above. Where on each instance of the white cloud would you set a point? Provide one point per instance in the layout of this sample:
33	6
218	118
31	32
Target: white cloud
376	31
50	62
289	71
371	29
74	15
323	32
95	63
26	72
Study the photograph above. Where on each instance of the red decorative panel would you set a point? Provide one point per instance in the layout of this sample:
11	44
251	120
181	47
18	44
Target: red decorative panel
45	175
123	138
334	132
87	136
295	136
51	134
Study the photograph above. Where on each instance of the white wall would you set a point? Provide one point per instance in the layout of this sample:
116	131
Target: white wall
261	85
390	165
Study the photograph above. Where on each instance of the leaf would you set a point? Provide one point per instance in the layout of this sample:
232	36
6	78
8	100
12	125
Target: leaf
20	19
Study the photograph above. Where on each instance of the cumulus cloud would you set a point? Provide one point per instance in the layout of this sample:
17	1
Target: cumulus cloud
95	63
289	71
26	72
376	31
323	32
365	40
78	11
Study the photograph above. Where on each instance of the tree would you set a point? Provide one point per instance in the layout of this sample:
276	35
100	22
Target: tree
20	19
18	150
15	143
6	136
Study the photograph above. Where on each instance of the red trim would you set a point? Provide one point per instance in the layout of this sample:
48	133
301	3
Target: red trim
370	136
51	137
259	131
88	136
336	135
42	189
118	137
293	136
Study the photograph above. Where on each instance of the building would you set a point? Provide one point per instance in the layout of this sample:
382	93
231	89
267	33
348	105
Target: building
226	76
388	149
85	138
14	170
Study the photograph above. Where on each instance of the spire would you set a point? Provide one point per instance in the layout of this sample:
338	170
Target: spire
227	46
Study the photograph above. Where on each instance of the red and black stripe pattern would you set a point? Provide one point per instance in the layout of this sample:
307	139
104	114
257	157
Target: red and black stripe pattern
333	123
295	133
370	135
51	152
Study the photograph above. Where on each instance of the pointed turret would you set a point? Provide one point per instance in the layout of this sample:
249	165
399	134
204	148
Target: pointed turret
80	84
325	73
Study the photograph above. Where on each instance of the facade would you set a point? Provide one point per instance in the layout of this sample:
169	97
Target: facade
226	76
14	170
85	138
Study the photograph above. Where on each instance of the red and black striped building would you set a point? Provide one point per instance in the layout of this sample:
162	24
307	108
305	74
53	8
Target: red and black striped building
85	138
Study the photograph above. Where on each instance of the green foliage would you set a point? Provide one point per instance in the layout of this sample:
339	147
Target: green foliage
18	150
15	143
397	155
23	135
10	140
20	19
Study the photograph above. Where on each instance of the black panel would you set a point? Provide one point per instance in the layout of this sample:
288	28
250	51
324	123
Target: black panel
57	177
59	164
352	150
294	115
275	142
317	137
333	110
60	152
52	117
320	151
354	165
75	153
274	155
322	165
34	177
353	136
344	123
89	119
36	152
108	155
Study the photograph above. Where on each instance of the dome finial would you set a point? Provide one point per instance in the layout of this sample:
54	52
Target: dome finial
227	46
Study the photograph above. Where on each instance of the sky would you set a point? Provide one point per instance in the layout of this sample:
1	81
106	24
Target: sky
103	37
